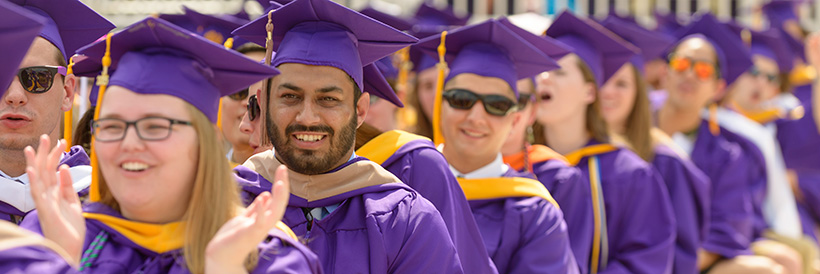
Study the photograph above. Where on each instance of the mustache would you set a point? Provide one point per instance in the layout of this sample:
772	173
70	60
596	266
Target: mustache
322	128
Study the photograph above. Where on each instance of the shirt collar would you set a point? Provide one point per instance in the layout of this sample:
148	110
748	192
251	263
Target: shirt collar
496	168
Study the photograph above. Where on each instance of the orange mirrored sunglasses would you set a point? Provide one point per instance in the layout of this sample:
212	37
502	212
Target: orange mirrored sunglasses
704	70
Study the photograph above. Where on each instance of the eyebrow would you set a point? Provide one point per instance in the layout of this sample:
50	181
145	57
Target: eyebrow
321	90
146	115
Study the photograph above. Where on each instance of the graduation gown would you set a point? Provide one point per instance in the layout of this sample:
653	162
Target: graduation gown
566	185
380	225
15	197
730	228
416	162
25	252
690	192
107	250
637	231
521	225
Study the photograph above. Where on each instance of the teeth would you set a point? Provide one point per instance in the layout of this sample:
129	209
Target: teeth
471	134
134	166
309	137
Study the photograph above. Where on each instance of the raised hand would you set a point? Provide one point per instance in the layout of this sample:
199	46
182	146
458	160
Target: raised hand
813	50
237	238
58	206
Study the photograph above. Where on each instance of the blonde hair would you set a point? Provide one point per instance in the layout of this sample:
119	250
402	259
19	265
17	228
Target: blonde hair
595	123
639	122
214	197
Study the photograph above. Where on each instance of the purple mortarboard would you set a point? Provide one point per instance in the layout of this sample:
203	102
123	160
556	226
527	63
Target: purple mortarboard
553	48
491	49
267	5
180	20
375	83
420	60
780	11
427	14
652	44
242	14
733	57
603	51
768	43
19	28
324	33
70	24
154	56
216	28
667	23
386	67
391	20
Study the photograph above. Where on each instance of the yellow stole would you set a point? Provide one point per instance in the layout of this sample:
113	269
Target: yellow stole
536	154
386	144
504	187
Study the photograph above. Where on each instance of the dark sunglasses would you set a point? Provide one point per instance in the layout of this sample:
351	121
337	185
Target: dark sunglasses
496	105
38	79
771	77
253	108
239	96
524	99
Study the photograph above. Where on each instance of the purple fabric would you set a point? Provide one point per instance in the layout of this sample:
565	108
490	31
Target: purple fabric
524	234
667	23
10	213
603	51
33	259
278	254
388	19
386	228
386	67
756	185
690	192
427	14
652	45
222	24
799	139
768	43
809	184
726	165
573	195
20	27
419	165
641	231
734	57
70	24
780	11
76	156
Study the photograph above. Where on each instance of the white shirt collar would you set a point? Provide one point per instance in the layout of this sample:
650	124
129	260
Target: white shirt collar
496	168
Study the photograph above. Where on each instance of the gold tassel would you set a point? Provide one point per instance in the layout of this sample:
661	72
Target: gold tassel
102	81
438	138
228	43
714	127
68	116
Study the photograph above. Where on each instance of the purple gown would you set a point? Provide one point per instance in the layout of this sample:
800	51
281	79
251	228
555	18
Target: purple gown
386	228
640	222
524	234
689	191
33	259
572	194
757	182
75	157
419	165
724	162
278	254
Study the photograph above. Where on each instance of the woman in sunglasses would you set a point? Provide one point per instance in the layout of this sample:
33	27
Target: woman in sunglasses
625	107
163	198
521	225
632	223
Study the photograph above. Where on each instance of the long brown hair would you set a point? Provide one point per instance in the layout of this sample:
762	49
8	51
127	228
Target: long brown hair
82	133
214	197
424	124
639	122
365	133
595	123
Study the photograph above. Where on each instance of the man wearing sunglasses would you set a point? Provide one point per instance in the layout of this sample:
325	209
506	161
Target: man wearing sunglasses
42	90
233	110
708	58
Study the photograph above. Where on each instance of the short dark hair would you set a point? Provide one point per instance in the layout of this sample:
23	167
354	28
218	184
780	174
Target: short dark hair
250	47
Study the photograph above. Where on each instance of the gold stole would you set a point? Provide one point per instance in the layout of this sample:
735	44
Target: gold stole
386	144
504	187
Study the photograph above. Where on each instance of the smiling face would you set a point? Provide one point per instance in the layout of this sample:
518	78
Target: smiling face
474	133
24	116
312	117
750	92
563	92
617	96
426	90
686	90
150	180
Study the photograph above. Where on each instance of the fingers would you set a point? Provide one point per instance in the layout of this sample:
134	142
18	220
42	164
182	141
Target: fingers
54	155
281	194
66	185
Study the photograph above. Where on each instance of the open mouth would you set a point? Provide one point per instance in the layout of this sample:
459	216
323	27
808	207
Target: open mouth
309	137
134	166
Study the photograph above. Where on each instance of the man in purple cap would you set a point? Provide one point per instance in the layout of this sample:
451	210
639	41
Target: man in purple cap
35	101
707	58
356	216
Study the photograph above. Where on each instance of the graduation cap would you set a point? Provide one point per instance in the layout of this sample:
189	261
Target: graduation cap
324	33
70	24
181	20
767	43
553	48
651	44
733	56
603	51
386	67
154	56
780	11
18	27
216	28
427	14
391	20
667	23
492	49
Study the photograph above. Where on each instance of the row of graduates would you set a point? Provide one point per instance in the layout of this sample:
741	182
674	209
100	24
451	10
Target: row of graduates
617	213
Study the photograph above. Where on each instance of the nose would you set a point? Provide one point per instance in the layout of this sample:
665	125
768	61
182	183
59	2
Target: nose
16	94
477	113
245	126
131	141
308	115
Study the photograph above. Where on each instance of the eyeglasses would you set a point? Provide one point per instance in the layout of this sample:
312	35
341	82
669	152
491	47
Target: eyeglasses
523	100
38	79
148	129
239	96
253	108
496	105
771	77
704	70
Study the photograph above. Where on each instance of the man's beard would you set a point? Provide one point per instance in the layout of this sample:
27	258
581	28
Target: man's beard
311	162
